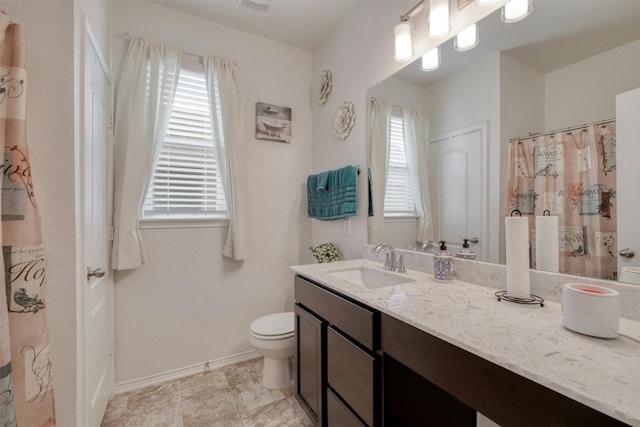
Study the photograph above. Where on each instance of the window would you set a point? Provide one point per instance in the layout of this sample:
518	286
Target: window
398	197
185	183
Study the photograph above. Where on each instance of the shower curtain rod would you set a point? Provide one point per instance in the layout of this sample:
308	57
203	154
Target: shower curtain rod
569	129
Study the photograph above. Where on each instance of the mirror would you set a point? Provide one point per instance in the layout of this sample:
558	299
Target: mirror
560	67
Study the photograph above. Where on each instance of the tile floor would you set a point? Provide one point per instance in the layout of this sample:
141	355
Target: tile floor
231	396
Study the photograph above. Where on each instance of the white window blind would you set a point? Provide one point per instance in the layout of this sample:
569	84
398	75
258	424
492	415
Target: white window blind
185	183
398	197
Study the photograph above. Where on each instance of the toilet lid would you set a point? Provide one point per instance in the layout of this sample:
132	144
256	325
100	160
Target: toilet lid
274	325
630	275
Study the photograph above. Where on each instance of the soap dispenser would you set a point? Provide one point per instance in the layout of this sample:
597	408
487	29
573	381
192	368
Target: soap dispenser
465	252
443	264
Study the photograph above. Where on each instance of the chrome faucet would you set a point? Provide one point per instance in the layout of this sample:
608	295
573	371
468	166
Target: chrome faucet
428	246
390	259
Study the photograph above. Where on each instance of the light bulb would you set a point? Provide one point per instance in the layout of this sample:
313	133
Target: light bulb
516	10
438	18
466	39
403	42
430	60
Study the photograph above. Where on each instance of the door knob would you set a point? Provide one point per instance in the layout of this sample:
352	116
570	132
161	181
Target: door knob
94	272
626	253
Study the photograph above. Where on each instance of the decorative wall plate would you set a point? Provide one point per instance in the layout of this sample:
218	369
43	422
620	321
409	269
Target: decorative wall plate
325	86
344	120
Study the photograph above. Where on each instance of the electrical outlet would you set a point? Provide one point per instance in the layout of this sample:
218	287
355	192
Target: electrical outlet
347	226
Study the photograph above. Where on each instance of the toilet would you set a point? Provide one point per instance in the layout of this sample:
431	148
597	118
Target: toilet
630	275
273	337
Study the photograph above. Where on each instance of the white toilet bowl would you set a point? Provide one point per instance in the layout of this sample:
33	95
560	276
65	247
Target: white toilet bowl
273	337
630	275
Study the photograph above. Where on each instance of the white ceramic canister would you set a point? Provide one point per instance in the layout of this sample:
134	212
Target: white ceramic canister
591	310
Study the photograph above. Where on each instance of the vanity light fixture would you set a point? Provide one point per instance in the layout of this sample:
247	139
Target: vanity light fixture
403	41
430	60
439	22
466	39
516	10
403	34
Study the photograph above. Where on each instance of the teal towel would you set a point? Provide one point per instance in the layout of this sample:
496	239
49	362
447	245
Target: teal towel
333	194
322	181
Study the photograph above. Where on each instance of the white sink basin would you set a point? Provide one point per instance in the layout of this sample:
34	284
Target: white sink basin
370	277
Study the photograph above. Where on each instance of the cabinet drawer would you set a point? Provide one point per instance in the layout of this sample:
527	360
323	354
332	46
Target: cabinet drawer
339	415
350	318
350	372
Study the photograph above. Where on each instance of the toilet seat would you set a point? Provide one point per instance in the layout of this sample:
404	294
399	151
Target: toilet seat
276	326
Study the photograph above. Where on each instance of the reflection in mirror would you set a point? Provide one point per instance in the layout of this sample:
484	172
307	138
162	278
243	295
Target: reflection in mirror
561	67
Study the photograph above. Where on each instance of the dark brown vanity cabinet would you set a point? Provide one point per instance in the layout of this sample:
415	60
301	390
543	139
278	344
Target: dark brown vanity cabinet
338	370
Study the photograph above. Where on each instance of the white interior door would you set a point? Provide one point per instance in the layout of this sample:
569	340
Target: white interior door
98	301
456	172
628	175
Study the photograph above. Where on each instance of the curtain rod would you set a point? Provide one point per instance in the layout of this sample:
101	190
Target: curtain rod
127	36
569	129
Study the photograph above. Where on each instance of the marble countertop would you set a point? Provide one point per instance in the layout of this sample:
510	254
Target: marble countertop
528	340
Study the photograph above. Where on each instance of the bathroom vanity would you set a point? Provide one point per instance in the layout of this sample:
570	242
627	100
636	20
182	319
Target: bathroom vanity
429	353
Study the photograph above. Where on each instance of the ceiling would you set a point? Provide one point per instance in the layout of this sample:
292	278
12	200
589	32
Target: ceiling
556	34
300	23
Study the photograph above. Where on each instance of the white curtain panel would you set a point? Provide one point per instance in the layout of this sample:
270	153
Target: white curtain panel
143	105
227	121
417	162
378	155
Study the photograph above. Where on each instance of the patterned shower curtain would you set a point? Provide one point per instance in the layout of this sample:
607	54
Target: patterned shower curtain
573	175
26	392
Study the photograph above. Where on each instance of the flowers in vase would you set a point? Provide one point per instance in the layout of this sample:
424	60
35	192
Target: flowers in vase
325	252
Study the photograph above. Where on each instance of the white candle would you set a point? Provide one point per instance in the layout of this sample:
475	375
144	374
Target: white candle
547	252
517	245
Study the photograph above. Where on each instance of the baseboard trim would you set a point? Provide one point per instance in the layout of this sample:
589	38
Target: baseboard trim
184	372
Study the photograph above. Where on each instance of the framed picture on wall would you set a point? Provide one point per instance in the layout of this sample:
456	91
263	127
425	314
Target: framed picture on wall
273	123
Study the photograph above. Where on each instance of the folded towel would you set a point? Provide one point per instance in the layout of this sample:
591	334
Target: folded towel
333	194
322	181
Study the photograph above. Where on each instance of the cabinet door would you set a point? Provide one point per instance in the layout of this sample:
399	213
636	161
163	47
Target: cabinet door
309	372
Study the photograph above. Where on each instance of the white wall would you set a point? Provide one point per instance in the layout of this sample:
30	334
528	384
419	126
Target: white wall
359	52
585	92
189	304
50	134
